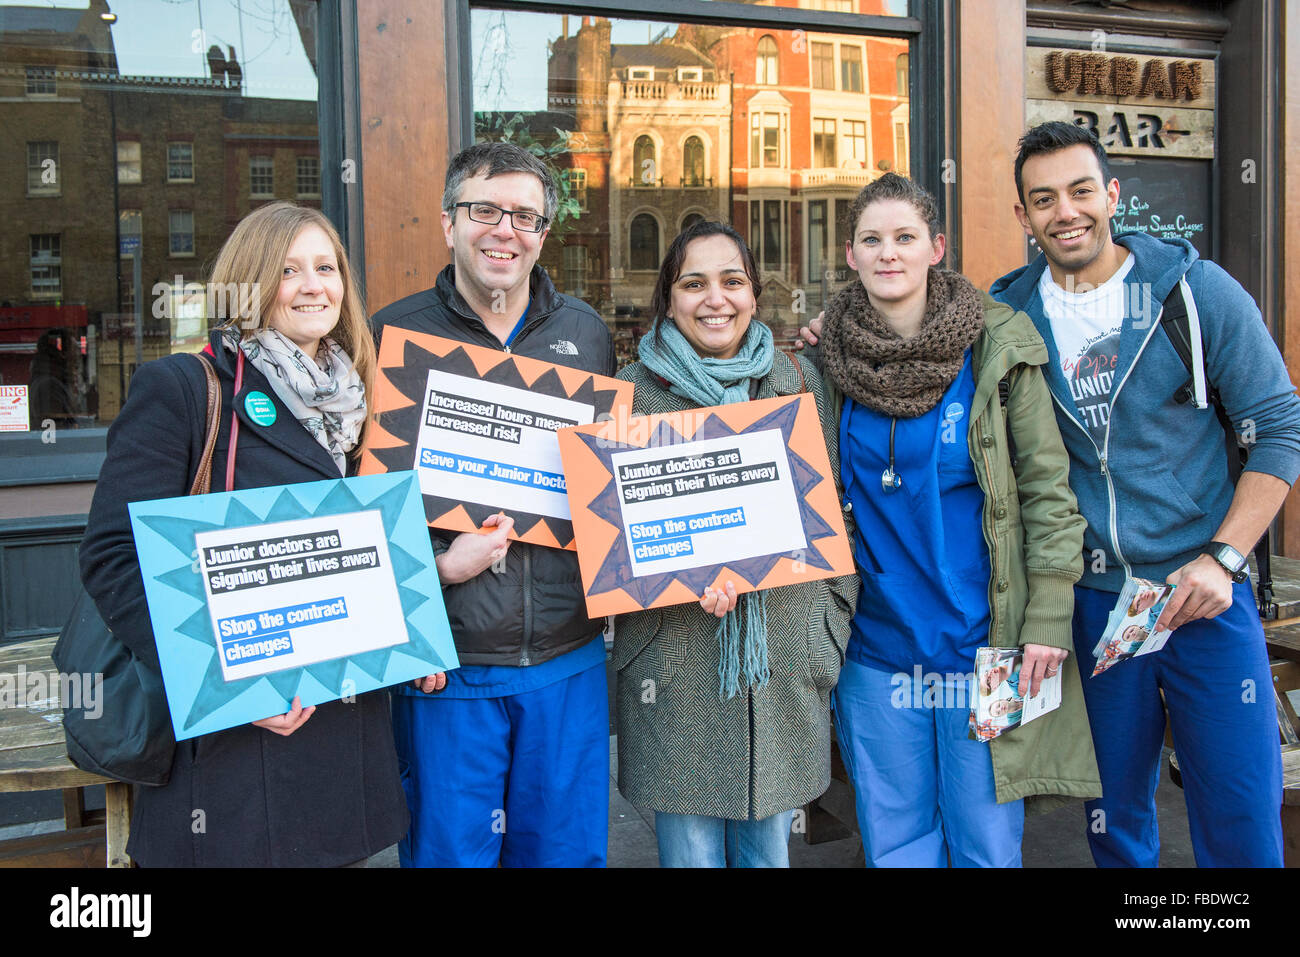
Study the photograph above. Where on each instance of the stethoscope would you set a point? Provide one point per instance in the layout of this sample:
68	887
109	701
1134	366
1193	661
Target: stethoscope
890	480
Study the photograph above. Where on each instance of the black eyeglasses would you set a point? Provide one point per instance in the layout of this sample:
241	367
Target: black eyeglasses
520	219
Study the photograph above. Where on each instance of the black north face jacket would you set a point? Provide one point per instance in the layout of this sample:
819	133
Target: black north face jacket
533	611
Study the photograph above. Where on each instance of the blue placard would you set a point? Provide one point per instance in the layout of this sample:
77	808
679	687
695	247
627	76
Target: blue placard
322	590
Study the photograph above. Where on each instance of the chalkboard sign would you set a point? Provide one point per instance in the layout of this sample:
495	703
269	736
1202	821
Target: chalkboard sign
1165	198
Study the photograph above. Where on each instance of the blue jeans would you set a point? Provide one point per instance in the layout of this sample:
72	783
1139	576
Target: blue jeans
695	840
1219	693
924	790
521	780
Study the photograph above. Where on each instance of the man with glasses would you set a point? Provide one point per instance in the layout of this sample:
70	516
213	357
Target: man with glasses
509	762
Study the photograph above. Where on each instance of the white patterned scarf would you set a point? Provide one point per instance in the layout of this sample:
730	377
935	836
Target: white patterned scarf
330	402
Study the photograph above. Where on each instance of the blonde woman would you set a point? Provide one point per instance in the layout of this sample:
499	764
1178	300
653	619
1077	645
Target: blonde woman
315	786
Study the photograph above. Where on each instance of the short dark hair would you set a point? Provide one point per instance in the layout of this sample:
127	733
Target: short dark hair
670	270
893	186
497	159
1058	135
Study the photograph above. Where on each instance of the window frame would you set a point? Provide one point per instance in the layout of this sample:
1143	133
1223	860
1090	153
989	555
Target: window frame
180	179
172	233
814	61
767	65
138	161
253	175
51	76
846	62
822	134
299	192
56	263
40	189
632	248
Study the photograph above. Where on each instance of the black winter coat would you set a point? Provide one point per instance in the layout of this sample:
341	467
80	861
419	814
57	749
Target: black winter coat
535	609
328	794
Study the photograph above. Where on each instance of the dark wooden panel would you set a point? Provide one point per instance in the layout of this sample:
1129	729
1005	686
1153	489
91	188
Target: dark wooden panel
38	583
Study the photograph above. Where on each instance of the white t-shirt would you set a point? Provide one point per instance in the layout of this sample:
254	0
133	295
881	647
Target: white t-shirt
1086	328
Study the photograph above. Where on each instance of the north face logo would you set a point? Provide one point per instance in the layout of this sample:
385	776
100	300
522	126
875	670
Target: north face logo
565	348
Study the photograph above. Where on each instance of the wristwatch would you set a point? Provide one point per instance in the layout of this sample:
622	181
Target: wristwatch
1233	562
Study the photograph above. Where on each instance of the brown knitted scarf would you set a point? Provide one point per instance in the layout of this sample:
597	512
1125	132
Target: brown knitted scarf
895	376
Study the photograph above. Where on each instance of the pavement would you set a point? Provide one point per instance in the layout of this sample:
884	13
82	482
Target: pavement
1055	839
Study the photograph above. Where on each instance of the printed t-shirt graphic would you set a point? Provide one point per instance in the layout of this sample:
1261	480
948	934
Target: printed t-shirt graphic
1086	326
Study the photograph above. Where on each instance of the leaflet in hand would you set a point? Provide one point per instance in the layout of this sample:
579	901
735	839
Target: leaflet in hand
1131	629
998	705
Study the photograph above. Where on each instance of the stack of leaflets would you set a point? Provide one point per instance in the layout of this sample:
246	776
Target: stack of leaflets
998	705
1131	629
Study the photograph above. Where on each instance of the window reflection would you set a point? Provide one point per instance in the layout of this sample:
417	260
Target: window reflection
139	138
654	126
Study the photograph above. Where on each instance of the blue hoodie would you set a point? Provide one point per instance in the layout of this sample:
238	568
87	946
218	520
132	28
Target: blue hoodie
1157	490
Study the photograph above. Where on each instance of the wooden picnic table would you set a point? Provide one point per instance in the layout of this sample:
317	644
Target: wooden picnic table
33	758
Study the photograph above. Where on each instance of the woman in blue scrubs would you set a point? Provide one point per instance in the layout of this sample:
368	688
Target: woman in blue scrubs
958	546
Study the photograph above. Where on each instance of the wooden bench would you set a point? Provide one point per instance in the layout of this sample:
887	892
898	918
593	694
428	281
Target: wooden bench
33	758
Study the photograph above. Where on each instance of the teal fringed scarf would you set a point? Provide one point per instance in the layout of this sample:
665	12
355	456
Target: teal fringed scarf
742	633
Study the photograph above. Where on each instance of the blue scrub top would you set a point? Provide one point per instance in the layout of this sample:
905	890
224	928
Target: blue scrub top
920	549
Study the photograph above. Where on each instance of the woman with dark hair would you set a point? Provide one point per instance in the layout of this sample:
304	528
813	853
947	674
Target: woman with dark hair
316	786
723	725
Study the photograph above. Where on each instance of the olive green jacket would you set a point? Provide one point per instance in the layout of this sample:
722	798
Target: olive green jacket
680	749
1035	537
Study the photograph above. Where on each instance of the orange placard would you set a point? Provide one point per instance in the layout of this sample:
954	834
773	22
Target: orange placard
666	505
478	427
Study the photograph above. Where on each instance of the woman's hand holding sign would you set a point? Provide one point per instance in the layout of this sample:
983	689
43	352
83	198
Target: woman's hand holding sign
719	602
289	722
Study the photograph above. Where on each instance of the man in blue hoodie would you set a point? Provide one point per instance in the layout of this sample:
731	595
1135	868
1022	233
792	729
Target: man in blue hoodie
1151	476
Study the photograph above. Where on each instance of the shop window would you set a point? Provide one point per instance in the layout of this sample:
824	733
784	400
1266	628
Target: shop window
823	66
645	172
40	81
644	242
97	110
180	232
765	62
738	144
128	161
690	220
823	143
180	162
261	176
850	68
309	177
46	266
693	162
43	169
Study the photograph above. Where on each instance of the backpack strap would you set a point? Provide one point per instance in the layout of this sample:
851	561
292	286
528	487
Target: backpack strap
1182	325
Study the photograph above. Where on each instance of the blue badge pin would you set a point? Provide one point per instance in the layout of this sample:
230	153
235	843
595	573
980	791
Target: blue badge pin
260	408
954	412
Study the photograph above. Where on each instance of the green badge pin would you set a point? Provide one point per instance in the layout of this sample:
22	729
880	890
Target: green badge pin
260	408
